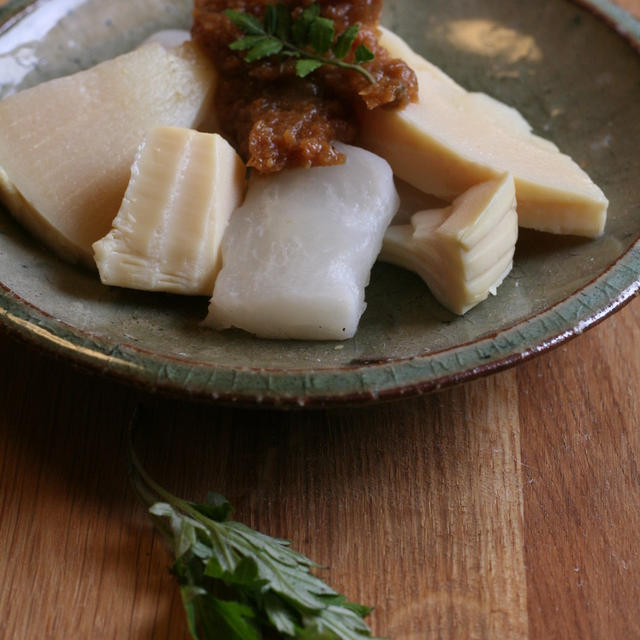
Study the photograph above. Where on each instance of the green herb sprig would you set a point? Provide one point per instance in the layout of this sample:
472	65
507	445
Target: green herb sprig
310	39
239	584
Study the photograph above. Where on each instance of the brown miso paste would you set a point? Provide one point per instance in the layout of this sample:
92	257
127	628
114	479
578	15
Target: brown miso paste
277	120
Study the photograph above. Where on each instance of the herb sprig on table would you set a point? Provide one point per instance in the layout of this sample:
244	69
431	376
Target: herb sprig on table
239	584
310	38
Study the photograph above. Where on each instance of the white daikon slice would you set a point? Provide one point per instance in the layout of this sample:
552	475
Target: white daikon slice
297	255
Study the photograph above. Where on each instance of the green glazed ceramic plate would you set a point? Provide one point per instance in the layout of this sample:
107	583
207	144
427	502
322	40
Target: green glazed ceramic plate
572	75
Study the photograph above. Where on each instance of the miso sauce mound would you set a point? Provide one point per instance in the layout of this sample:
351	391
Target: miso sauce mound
277	120
297	254
67	145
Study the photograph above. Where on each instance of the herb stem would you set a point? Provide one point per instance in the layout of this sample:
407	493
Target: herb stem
334	61
239	584
143	482
138	472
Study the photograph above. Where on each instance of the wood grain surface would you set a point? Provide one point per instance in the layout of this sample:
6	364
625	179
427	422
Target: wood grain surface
508	508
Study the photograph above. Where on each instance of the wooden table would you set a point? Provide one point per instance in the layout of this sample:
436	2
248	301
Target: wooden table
508	508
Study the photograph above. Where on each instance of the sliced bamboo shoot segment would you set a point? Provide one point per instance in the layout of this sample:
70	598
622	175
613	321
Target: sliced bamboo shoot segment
463	252
451	140
166	237
66	146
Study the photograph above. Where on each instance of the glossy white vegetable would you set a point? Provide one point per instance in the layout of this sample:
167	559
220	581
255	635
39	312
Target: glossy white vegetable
169	38
298	254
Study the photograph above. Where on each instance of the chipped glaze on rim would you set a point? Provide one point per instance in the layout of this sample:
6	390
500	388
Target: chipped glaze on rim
352	385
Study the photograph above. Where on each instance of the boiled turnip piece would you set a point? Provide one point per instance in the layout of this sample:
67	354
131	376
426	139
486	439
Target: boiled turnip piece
297	255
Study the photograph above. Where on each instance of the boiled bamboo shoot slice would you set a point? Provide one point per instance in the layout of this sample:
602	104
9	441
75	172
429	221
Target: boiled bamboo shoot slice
451	140
166	237
67	145
463	252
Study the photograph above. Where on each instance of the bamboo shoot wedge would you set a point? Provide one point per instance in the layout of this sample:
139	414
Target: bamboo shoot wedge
166	237
463	252
451	140
297	254
67	145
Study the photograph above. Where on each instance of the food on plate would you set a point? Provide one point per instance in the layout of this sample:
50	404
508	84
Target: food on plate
166	237
169	38
275	118
298	253
288	85
463	252
451	140
67	145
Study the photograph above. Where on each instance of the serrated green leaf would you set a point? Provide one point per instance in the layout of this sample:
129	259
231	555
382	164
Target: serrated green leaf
283	29
185	539
306	66
321	34
359	609
246	42
246	22
217	507
236	616
344	623
311	12
239	584
246	574
271	19
201	550
300	28
280	614
312	633
162	510
189	595
213	568
345	41
286	571
340	601
363	54
218	619
264	49
309	38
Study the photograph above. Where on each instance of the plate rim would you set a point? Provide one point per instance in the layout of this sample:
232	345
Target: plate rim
361	384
